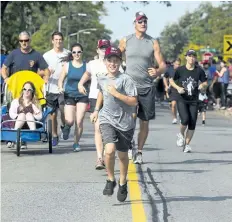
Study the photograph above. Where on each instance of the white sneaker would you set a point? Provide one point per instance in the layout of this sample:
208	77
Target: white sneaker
180	140
138	159
10	145
187	149
23	145
174	121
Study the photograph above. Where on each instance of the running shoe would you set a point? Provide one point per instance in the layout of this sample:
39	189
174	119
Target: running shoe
180	140
138	159
187	149
109	188
122	192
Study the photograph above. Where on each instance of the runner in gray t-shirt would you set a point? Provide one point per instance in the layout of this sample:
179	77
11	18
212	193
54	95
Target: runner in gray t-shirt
141	50
119	94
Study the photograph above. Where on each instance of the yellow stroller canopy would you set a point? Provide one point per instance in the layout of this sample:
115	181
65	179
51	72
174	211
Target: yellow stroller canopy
17	80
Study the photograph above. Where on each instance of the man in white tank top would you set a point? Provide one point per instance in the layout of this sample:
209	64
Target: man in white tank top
141	50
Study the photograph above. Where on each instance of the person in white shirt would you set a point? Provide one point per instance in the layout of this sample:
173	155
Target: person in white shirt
95	68
54	98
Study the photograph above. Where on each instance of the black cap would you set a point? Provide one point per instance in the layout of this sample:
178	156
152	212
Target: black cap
191	52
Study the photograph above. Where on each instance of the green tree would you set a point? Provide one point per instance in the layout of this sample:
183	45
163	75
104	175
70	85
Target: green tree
172	40
205	27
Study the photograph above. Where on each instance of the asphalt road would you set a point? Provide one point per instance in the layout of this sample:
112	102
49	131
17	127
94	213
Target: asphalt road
174	186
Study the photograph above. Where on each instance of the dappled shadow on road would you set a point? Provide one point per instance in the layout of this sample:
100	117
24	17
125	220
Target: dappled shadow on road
198	198
129	202
175	171
149	148
221	152
140	171
59	150
197	161
85	136
41	152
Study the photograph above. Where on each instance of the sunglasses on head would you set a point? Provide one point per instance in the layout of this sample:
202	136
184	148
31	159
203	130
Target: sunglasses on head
29	90
26	40
142	21
76	52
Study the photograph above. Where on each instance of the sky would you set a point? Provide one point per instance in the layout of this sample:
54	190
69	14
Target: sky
159	15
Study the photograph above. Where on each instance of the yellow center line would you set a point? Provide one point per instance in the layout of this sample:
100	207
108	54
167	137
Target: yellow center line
137	208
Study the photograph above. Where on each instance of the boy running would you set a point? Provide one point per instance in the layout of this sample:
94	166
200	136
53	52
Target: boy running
117	125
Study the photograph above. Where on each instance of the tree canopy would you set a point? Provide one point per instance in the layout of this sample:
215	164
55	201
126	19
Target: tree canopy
205	27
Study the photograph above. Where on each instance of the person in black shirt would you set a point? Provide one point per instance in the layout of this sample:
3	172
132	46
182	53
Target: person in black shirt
170	91
25	58
188	80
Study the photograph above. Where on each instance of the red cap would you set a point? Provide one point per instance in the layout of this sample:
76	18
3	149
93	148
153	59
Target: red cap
205	62
103	42
112	51
139	15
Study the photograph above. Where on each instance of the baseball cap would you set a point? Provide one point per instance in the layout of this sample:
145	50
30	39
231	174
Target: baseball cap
3	48
112	51
103	42
191	52
205	62
139	15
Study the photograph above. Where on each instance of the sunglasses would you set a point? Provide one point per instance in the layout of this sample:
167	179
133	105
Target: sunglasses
142	21
28	90
26	40
76	52
103	47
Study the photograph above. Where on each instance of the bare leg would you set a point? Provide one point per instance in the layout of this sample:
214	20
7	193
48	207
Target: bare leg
123	164
174	110
110	160
80	114
19	124
189	136
30	117
183	129
98	140
69	114
203	116
142	135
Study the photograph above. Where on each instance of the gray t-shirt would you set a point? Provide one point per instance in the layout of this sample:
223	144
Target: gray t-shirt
140	57
114	111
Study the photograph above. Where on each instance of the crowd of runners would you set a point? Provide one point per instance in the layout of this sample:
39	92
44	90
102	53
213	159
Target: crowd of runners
118	95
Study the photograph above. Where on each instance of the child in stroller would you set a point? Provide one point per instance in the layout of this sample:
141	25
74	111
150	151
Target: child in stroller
25	110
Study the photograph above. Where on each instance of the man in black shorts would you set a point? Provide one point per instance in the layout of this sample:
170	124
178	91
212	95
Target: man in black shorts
141	50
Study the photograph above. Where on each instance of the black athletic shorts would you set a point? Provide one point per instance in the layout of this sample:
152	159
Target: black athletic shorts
74	100
146	104
122	139
55	100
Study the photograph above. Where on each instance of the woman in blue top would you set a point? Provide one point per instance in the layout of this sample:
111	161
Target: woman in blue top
75	102
224	77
